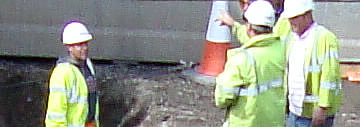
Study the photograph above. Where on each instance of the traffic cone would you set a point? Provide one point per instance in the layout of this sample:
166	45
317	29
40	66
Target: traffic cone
217	42
90	124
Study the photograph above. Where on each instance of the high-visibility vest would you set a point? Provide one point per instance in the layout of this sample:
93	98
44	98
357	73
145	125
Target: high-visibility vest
68	98
322	72
251	85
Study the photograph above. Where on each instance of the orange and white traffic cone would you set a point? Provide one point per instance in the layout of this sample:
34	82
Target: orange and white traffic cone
217	42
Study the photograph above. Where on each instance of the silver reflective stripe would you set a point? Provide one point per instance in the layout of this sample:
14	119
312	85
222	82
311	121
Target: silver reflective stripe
261	88
329	85
229	90
73	94
313	68
74	97
253	91
76	125
55	116
78	99
57	89
311	99
329	55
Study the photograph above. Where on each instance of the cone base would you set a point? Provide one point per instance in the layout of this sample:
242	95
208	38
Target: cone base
90	124
214	58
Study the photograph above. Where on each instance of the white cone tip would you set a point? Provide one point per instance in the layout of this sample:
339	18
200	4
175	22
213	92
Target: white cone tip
216	32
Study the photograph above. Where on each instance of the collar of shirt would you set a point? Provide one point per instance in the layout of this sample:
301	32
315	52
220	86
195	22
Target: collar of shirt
307	32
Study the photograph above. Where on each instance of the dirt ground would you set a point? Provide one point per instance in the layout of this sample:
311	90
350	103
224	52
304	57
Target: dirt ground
133	94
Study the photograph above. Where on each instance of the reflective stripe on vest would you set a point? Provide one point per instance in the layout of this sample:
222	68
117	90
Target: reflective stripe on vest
330	85
329	55
260	88
311	98
55	116
315	66
73	96
312	68
253	91
325	85
57	89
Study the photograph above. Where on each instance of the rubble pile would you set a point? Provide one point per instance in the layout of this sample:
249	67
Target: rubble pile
132	94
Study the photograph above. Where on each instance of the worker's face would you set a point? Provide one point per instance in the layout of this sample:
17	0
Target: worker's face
298	24
79	51
243	5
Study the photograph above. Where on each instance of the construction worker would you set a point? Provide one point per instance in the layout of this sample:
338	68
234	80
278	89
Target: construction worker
72	99
251	85
313	77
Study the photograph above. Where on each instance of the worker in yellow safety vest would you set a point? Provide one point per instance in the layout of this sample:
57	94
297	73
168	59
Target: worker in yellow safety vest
72	98
251	86
313	77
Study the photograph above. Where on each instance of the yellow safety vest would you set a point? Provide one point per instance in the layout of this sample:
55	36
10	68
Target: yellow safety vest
251	85
322	72
68	98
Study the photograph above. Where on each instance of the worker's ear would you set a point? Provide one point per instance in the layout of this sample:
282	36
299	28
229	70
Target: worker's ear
250	30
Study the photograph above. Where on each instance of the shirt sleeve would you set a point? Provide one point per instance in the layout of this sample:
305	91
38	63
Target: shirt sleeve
239	31
229	82
57	101
330	82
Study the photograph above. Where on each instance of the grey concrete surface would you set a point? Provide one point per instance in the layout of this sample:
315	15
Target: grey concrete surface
140	30
199	78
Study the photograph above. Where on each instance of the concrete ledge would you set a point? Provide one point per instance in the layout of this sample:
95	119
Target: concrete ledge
199	78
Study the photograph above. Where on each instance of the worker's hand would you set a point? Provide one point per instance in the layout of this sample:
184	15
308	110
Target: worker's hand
225	19
319	116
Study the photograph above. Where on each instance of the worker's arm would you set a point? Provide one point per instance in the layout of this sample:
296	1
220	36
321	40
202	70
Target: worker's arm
56	114
282	28
330	81
229	82
226	19
330	93
238	30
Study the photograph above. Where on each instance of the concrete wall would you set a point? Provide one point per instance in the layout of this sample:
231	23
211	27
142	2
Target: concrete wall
124	29
343	19
137	30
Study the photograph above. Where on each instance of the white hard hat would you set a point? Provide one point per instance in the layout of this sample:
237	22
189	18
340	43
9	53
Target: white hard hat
294	8
75	32
260	12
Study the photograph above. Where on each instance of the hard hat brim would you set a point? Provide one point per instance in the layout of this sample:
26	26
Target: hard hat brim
84	38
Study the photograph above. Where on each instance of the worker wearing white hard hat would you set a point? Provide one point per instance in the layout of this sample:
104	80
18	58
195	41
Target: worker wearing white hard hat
313	76
72	98
251	85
